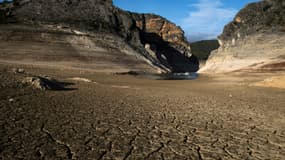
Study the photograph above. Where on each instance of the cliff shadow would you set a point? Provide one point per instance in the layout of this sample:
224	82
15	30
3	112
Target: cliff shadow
170	56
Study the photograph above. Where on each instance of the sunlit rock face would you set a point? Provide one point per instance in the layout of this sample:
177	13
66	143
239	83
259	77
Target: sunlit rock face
165	29
254	40
167	42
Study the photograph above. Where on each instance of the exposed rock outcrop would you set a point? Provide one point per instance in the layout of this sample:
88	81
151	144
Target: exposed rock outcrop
172	51
166	43
43	83
254	39
166	30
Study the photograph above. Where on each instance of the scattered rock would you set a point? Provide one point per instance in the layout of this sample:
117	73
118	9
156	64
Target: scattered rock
18	70
80	79
11	100
43	83
147	46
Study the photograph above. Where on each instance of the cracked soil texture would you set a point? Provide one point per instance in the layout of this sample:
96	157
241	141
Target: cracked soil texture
198	119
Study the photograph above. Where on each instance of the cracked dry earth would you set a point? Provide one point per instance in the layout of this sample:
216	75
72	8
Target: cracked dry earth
150	119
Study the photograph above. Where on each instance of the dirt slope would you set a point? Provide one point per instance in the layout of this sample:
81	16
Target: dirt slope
118	28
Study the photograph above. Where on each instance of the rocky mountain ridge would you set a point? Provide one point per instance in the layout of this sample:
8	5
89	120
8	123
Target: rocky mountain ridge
254	40
154	39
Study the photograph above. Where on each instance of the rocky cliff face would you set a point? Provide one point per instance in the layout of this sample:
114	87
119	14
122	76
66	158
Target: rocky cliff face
166	42
254	40
168	51
167	31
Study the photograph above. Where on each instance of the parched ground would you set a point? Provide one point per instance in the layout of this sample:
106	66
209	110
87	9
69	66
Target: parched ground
124	117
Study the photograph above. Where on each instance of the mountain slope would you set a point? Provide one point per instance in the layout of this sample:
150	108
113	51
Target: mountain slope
202	49
101	20
253	41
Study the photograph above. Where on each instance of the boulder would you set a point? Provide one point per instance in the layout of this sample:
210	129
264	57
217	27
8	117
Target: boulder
43	83
18	70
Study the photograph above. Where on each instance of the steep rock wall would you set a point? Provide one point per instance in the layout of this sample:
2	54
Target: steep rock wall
254	39
167	41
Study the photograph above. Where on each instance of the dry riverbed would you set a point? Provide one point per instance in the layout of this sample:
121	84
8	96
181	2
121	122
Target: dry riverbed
109	116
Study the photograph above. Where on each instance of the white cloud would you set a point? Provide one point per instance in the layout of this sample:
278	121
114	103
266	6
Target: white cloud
207	19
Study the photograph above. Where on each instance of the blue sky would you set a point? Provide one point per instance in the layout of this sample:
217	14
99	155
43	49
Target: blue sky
200	19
